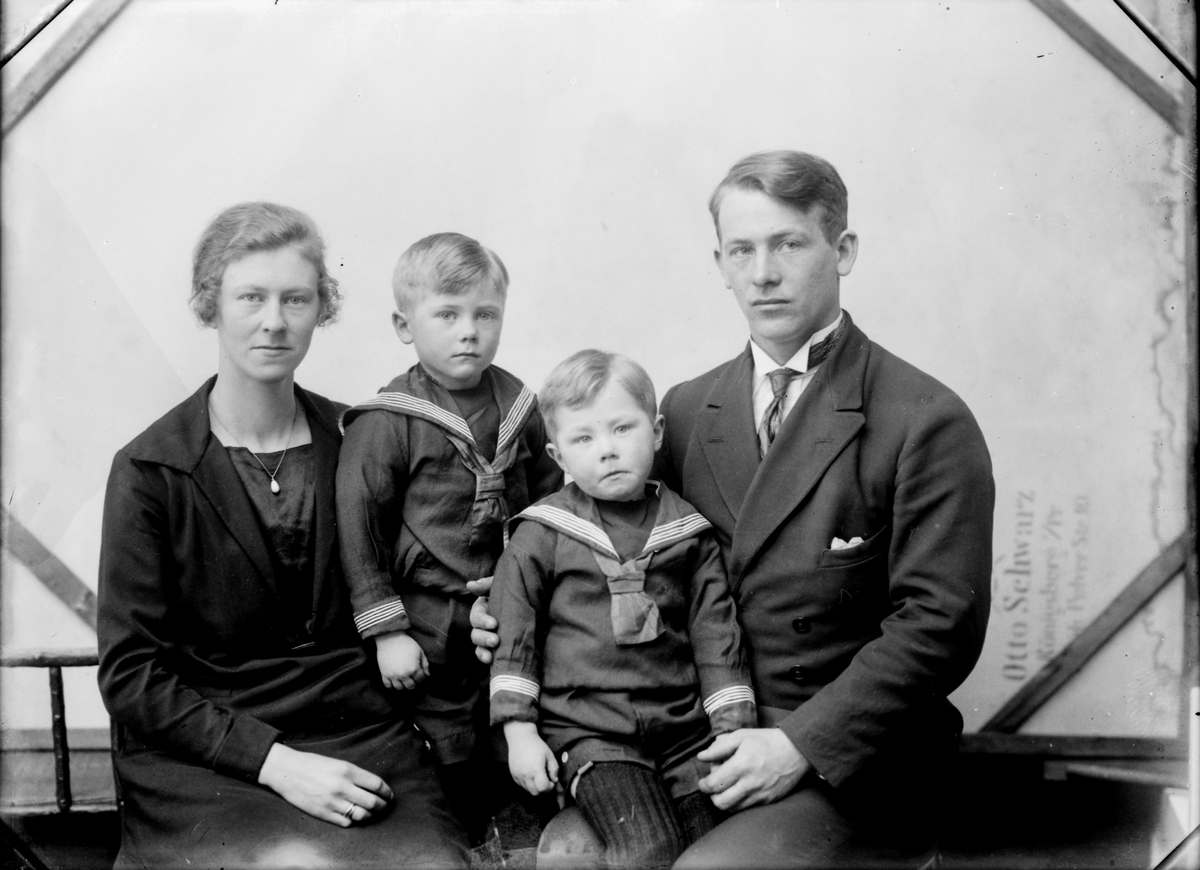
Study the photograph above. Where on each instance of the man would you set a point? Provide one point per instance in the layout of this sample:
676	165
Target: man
852	496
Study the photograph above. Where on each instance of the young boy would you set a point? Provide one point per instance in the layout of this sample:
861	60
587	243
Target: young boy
429	471
618	640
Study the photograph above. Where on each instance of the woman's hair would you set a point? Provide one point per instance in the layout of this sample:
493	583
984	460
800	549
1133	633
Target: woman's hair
250	227
575	382
801	181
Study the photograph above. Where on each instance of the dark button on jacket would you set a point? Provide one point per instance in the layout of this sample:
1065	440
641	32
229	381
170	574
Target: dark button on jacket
802	625
798	674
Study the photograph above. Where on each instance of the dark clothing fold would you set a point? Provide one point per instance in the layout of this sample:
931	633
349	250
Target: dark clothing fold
859	555
208	657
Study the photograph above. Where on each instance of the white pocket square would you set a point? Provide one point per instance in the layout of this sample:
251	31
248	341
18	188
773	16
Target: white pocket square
839	544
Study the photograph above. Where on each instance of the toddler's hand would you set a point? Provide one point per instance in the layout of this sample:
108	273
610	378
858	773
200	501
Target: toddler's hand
530	761
402	662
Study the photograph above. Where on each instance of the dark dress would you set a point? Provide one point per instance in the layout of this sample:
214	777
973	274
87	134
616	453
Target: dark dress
224	626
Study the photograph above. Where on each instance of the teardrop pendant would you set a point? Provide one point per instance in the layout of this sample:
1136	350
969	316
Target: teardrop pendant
274	486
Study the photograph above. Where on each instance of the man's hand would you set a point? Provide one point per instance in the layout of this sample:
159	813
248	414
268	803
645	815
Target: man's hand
483	624
402	662
333	790
530	761
754	766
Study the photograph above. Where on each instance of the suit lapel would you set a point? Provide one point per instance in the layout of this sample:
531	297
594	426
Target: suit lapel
825	419
726	433
325	456
218	480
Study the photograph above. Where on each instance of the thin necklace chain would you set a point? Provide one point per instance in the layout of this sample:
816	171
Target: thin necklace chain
271	474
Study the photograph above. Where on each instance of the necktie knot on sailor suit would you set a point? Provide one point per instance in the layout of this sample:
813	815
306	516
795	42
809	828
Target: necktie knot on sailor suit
634	614
490	509
769	428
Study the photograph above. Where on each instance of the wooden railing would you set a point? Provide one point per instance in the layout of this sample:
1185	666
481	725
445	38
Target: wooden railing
54	661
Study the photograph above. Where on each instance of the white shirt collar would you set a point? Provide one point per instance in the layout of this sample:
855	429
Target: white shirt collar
763	364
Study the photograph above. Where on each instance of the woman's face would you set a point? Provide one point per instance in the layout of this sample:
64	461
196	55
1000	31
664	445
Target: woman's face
266	313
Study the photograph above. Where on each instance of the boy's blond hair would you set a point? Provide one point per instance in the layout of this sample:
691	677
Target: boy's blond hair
448	263
575	381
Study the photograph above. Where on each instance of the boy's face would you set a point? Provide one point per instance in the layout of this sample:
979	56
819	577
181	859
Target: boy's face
607	445
456	336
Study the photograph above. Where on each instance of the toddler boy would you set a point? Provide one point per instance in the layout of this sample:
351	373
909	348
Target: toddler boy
618	639
429	471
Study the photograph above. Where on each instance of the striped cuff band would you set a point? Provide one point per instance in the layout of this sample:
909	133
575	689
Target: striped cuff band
520	685
728	695
381	613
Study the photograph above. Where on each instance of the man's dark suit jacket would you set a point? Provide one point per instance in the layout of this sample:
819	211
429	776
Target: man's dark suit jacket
855	648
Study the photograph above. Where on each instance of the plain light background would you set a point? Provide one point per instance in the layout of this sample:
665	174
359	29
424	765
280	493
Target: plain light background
1019	212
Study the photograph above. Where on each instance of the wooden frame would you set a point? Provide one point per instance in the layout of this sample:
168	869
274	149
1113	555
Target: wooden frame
42	76
1133	76
1056	672
998	733
48	568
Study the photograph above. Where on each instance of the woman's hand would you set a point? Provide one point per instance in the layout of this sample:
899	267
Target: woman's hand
402	662
530	761
483	624
333	790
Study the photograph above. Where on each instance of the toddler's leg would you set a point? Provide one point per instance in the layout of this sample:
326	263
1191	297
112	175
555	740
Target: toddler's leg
697	815
629	806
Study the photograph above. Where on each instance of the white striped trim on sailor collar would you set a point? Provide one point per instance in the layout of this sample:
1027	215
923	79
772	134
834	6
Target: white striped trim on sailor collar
509	427
589	533
676	530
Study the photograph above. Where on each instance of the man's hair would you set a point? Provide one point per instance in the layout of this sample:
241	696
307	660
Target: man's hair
248	228
577	380
802	181
448	263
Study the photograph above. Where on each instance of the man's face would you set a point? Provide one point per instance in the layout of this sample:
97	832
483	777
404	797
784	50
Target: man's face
780	267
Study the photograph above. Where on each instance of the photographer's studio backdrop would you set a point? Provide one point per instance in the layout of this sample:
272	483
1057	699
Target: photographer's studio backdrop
1022	214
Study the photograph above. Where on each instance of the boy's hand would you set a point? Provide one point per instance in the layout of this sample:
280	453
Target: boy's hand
402	662
530	761
483	624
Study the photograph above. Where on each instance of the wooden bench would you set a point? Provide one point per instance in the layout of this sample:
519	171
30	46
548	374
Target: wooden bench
58	807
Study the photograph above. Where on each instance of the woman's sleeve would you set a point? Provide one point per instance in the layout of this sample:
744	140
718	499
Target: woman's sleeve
135	594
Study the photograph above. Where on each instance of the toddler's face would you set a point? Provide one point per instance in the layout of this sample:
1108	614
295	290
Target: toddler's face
456	337
608	445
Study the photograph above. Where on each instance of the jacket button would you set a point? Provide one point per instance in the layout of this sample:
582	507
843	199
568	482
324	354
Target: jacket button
802	625
797	673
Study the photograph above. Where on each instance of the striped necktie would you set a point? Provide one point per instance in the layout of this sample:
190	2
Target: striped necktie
780	378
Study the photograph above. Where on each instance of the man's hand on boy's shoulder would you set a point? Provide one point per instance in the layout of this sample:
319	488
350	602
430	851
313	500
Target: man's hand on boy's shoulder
402	662
483	624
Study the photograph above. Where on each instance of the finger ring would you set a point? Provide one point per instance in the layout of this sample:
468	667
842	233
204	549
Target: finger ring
353	806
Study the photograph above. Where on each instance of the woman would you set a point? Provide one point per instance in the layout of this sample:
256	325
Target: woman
254	730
